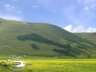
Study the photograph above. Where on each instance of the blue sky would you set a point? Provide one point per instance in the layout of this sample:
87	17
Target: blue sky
72	15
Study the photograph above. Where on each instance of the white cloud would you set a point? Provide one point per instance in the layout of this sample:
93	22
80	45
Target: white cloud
68	28
19	12
91	29
90	3
10	12
79	29
11	17
9	7
86	8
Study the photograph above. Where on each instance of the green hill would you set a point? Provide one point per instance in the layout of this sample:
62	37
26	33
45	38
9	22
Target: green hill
89	36
42	40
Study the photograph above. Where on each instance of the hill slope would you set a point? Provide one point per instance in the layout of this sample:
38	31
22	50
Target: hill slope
41	39
89	36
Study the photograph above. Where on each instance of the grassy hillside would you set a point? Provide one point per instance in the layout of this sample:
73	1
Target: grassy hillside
89	36
42	40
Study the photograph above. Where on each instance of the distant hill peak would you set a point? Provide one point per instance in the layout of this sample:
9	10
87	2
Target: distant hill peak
1	19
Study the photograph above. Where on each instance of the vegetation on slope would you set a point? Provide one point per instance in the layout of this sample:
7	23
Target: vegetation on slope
43	40
89	36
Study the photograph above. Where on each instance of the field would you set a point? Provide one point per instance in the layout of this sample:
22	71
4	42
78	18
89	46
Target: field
56	65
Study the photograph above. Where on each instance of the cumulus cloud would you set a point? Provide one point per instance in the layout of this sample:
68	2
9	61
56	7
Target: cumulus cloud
68	28
80	28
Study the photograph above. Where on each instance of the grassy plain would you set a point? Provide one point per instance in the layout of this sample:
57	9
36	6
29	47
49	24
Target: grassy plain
56	65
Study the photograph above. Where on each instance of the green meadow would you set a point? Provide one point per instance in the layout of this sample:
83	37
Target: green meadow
54	65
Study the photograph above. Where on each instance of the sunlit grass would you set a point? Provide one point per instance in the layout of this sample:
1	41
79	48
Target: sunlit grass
62	65
59	65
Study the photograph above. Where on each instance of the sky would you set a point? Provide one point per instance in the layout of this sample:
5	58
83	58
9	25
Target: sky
71	15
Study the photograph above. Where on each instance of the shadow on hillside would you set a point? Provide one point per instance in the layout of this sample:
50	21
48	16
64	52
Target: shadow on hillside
72	52
77	39
65	52
64	49
38	38
34	46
